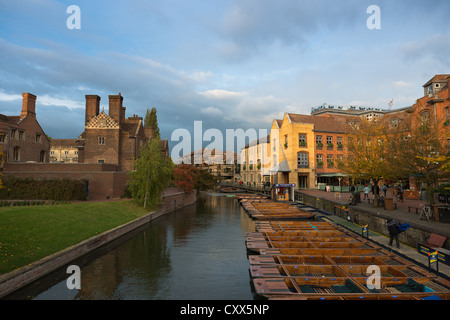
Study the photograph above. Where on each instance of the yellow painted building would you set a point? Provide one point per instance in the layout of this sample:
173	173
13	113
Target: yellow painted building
292	145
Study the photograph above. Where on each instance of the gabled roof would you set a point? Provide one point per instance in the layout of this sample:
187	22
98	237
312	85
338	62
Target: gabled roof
438	78
102	121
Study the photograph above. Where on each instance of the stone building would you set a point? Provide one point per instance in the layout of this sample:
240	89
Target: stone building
63	151
21	137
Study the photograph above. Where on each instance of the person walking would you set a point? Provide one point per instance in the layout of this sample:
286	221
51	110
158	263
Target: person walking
400	193
384	188
393	231
366	192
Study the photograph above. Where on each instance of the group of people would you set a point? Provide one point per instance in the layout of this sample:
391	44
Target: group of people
384	188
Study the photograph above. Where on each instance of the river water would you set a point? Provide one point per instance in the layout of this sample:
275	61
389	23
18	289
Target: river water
197	252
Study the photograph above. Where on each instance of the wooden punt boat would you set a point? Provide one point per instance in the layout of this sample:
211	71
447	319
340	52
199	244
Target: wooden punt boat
307	288
326	260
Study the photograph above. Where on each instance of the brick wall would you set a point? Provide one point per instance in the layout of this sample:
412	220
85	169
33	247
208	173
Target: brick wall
104	179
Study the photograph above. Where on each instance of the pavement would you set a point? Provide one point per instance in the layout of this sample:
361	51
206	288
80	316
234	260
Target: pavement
402	214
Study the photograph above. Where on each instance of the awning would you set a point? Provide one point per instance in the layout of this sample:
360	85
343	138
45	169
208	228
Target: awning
284	185
337	174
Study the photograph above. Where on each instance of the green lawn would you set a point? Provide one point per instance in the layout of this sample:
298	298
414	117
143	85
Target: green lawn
30	233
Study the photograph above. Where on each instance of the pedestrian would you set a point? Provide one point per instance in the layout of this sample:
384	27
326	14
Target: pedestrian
366	192
393	231
384	188
400	193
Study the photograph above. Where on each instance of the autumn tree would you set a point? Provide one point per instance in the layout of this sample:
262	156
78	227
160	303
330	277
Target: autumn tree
420	152
366	153
183	178
188	178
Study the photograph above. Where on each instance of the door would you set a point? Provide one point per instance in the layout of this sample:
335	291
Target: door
302	182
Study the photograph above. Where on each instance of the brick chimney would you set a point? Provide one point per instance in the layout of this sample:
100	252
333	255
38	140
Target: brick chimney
92	107
28	105
115	107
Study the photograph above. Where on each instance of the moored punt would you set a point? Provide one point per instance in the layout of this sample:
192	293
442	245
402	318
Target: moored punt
317	260
265	209
325	288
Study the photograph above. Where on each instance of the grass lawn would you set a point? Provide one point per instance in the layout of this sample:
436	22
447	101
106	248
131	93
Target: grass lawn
30	233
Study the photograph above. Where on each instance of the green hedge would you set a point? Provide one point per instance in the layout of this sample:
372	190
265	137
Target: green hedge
45	189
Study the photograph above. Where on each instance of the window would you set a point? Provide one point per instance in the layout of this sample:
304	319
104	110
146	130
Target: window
286	141
13	133
301	140
425	117
339	143
319	160
330	162
101	140
329	143
447	115
76	152
302	160
52	153
66	152
38	138
16	154
2	137
100	161
340	159
319	142
394	123
21	135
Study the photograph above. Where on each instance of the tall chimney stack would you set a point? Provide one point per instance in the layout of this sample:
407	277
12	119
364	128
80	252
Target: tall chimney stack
92	107
28	105
115	107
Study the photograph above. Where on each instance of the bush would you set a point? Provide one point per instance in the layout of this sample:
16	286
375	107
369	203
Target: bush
45	189
443	189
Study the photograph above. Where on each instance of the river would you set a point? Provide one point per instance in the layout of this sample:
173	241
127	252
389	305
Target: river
194	253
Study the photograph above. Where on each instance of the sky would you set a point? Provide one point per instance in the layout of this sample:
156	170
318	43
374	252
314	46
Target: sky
232	64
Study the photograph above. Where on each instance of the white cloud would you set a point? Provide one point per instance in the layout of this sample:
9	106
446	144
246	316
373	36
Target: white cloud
9	97
47	100
222	94
403	84
211	111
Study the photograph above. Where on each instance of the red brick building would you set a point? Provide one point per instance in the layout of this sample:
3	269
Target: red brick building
106	149
112	138
21	137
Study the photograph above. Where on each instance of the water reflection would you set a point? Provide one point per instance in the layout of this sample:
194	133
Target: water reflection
197	252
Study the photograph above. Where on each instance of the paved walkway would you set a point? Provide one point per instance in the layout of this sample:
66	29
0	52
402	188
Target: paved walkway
401	213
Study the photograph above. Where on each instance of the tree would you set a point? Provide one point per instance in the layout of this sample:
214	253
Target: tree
153	172
183	178
366	153
422	154
188	178
151	176
151	120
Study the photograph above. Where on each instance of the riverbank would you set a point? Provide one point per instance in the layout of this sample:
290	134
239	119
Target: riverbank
119	221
